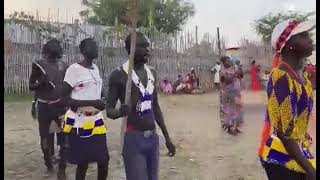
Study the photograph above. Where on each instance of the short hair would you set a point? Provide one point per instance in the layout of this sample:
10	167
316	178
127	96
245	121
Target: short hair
127	41
253	62
224	58
52	49
84	43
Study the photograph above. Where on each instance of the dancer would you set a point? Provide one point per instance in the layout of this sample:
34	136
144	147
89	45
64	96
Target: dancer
141	143
230	97
46	80
285	150
84	124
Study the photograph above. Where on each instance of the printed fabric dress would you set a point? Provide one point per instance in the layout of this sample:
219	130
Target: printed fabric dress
289	106
230	97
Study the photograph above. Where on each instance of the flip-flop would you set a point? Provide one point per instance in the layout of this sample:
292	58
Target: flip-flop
238	130
231	132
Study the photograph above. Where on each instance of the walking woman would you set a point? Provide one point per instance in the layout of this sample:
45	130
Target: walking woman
84	124
254	77
285	150
230	97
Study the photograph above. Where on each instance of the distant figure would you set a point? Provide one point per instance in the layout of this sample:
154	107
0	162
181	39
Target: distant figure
195	79
231	115
253	70
265	78
165	86
310	71
216	73
176	83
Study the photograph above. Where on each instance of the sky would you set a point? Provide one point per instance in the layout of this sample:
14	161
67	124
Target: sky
233	17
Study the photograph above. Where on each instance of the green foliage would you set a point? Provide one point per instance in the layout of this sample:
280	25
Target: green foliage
265	25
45	29
167	16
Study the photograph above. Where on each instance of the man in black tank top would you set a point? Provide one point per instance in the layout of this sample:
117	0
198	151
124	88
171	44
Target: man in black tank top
46	81
141	143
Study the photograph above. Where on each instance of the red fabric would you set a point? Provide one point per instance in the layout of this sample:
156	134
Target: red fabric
255	84
310	68
275	61
265	136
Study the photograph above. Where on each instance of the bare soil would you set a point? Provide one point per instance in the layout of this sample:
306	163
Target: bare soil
204	150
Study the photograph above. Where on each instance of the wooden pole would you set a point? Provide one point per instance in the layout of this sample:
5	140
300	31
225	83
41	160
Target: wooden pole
133	5
219	43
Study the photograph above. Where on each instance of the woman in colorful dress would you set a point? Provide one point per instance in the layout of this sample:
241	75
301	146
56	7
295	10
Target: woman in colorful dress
285	151
230	97
84	123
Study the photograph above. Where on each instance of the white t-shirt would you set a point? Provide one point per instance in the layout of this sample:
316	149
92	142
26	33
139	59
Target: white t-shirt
86	83
217	67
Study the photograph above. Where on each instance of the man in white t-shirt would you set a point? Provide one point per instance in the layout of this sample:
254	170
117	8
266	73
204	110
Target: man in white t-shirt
216	73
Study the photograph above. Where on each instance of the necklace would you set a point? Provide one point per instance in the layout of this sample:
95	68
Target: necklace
293	72
95	81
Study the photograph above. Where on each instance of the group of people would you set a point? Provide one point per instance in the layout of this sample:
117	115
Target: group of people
188	84
73	98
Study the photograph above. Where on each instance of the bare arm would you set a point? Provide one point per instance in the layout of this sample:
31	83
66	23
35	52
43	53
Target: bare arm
293	149
36	80
160	121
113	95
159	117
66	100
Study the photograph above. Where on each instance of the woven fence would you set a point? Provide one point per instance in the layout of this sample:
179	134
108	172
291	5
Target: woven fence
170	54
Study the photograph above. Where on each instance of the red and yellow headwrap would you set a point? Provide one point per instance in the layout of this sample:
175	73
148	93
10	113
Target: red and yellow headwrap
283	32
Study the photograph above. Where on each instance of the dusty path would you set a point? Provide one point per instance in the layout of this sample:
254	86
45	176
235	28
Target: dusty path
205	152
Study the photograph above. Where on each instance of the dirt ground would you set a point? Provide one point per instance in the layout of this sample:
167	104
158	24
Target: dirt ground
204	150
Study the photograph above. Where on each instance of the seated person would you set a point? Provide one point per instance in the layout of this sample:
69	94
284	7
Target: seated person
165	86
176	83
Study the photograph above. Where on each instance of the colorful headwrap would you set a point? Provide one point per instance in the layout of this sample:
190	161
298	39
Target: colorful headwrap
283	32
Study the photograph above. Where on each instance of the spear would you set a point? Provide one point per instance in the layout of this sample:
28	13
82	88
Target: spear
132	23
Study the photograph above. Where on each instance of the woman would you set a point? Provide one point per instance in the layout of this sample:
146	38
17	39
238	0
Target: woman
84	124
230	97
253	70
165	86
285	146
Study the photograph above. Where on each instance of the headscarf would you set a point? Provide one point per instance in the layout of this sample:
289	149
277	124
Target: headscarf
283	32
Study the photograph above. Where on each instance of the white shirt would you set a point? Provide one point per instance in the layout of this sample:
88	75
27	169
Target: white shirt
86	83
217	67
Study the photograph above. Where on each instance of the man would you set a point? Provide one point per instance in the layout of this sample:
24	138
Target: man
46	80
141	143
216	73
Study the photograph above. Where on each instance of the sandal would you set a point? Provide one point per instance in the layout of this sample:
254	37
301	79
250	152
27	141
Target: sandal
231	131
238	130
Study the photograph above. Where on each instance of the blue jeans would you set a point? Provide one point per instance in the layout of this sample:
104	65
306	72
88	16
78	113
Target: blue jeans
141	156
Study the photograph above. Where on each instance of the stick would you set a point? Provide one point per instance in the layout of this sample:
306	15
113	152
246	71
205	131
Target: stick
132	29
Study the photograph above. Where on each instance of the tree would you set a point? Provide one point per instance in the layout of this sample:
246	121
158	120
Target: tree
45	30
265	25
165	15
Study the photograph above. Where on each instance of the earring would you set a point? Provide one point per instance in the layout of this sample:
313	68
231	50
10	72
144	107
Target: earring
290	47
